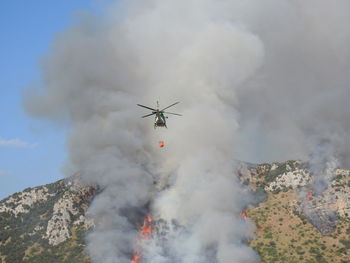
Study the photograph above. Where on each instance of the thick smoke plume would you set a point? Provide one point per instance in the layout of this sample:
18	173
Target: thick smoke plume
257	81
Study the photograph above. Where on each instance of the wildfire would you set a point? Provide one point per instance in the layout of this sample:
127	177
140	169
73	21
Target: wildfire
244	214
144	234
135	257
161	144
146	228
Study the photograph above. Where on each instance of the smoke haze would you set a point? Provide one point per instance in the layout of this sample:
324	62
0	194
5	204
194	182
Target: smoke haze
258	81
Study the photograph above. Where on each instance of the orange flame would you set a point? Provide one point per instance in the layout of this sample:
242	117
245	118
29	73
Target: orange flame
146	228
244	214
161	144
135	257
145	233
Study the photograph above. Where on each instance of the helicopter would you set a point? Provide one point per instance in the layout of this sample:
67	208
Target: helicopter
160	118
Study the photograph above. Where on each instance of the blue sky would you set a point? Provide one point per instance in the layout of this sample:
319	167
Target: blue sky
32	152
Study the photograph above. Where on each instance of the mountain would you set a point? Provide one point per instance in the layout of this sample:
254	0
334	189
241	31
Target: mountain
297	218
46	223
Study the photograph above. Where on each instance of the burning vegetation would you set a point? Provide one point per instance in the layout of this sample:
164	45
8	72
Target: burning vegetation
244	214
144	234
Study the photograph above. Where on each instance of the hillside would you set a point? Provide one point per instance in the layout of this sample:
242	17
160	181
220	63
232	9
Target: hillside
45	223
294	222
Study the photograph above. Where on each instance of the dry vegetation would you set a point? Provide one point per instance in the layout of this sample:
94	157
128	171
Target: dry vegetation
283	235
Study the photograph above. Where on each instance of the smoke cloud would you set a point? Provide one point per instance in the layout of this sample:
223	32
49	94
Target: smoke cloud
258	81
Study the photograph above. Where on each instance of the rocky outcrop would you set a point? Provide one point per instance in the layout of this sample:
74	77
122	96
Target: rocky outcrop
45	221
21	203
67	211
292	179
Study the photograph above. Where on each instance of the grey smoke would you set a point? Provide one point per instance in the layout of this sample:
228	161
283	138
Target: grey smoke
298	98
257	81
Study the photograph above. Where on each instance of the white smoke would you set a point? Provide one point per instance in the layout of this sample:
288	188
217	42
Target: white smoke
257	80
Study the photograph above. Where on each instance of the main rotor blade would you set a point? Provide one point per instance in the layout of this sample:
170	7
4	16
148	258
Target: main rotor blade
143	106
170	105
172	113
148	115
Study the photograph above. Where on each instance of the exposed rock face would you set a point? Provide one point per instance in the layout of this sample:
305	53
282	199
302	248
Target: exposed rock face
51	215
290	179
24	201
340	190
68	210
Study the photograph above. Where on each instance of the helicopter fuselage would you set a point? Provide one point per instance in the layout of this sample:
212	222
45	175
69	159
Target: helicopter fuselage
159	120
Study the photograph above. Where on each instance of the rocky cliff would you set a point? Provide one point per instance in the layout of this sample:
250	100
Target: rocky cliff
45	223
